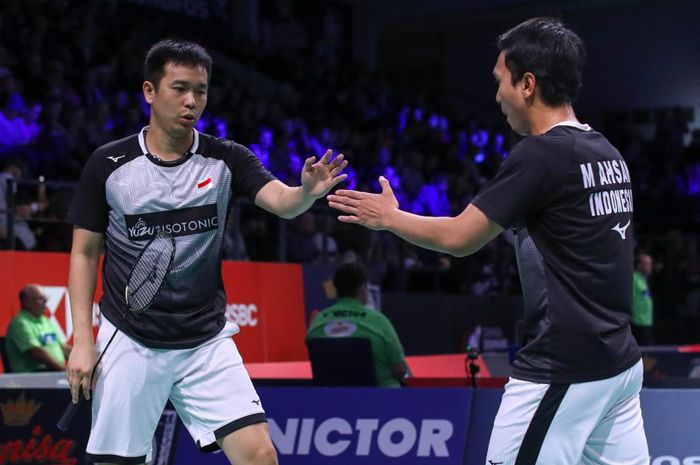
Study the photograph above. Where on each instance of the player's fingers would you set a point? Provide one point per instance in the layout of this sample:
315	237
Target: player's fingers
85	384
74	389
308	162
349	219
337	161
343	208
385	185
343	200
338	179
326	156
351	194
337	169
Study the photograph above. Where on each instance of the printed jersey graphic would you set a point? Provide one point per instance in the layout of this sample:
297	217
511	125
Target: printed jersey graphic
206	183
182	222
622	230
116	159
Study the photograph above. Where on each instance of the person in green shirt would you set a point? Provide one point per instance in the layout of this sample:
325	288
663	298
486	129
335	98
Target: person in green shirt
351	317
33	341
642	304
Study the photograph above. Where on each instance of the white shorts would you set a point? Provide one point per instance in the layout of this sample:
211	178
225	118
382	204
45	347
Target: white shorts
598	422
208	385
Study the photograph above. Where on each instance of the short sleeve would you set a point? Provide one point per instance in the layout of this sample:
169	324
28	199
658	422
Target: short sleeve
521	187
249	174
23	338
89	209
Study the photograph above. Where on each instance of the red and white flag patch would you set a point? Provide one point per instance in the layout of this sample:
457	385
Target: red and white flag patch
207	183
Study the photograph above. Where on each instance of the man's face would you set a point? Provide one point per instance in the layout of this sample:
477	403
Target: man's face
510	98
646	264
35	301
179	100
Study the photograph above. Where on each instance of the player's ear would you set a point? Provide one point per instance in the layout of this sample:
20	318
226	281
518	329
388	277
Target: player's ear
149	91
528	85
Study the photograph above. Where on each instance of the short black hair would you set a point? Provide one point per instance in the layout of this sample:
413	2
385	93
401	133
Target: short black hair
23	294
554	54
176	52
348	278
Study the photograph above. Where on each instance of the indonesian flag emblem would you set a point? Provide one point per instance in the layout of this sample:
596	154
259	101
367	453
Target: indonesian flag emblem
207	183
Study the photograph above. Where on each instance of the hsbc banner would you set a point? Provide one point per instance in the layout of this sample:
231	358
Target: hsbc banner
265	299
330	426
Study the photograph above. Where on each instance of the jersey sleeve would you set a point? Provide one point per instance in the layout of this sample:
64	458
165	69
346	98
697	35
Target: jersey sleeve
249	174
89	209
521	187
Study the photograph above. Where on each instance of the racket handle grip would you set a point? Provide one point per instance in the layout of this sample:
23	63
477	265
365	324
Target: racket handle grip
67	418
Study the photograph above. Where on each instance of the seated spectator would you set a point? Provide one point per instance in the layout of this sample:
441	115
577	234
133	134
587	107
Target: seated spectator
25	236
350	317
11	171
642	303
33	341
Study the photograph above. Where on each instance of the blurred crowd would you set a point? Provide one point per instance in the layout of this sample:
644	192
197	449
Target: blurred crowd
69	84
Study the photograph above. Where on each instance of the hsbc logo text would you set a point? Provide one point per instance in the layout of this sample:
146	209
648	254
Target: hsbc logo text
334	436
242	314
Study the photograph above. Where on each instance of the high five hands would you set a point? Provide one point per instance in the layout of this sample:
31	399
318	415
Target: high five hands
373	211
319	178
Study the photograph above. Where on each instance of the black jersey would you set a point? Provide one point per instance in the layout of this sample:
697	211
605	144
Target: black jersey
129	195
567	195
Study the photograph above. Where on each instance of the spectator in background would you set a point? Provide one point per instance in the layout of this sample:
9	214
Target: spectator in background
302	246
34	342
350	317
25	236
642	304
11	172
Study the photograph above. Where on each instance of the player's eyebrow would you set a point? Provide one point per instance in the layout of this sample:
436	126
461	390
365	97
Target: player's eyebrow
182	82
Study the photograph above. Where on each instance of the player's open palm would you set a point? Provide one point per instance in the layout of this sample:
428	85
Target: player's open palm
364	208
320	177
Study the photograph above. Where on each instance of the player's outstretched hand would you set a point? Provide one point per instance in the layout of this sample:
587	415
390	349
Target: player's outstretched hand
320	177
364	208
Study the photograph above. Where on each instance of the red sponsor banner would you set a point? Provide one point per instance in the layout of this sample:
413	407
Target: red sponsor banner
265	299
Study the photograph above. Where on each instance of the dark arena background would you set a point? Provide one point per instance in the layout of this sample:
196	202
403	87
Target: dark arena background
404	89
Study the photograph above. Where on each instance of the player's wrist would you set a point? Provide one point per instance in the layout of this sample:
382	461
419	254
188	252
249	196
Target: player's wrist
390	219
83	339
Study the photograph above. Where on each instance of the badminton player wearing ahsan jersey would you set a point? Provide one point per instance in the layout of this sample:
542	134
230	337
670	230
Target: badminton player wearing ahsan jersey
565	191
170	177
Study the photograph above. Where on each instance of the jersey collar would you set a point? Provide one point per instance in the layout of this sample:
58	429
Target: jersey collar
572	124
144	148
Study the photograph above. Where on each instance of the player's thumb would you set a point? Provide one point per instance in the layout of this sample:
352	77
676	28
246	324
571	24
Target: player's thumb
386	186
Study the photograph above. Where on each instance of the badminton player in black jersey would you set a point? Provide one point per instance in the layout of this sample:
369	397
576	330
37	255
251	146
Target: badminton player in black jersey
573	396
171	178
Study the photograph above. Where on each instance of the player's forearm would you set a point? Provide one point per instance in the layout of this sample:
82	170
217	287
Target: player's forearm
292	202
46	358
433	233
82	280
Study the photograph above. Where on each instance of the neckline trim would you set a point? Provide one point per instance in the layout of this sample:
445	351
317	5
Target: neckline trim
572	124
159	161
